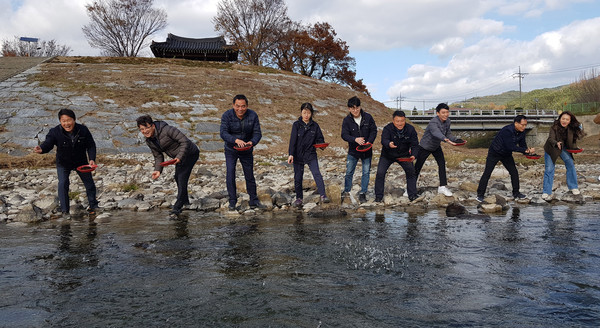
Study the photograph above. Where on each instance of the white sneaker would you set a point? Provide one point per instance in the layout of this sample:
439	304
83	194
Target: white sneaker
445	191
405	194
575	191
546	197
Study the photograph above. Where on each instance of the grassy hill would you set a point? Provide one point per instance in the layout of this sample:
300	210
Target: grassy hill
165	86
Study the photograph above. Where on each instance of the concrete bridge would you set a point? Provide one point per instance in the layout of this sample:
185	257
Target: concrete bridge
493	120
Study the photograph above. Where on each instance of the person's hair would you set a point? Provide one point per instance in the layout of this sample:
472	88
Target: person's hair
354	102
519	118
144	120
398	113
66	111
440	106
240	97
309	107
573	125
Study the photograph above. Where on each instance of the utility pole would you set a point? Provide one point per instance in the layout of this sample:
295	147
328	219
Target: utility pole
399	102
520	76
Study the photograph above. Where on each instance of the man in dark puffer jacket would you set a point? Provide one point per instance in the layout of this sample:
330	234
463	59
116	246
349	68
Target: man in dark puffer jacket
163	138
74	145
399	140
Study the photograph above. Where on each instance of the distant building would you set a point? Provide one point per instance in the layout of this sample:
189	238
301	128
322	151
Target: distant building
208	49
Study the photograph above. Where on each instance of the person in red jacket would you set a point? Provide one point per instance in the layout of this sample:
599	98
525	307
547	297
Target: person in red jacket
305	134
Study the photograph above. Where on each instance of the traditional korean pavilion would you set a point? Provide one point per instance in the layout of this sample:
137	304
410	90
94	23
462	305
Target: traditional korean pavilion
209	49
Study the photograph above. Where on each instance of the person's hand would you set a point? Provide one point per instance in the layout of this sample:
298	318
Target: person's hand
559	145
360	140
412	158
37	149
290	159
530	151
155	175
392	145
240	143
92	163
451	142
177	160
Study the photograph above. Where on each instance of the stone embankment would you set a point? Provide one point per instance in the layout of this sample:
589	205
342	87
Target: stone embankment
29	195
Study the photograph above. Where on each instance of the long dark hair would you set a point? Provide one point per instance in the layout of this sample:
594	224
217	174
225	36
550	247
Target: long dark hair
574	126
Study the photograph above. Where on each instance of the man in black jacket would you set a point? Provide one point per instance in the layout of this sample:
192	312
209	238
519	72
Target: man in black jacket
74	145
358	128
163	138
399	140
509	139
240	127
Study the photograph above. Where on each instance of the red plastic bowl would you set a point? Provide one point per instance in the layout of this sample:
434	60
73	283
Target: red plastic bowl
364	147
167	163
86	168
404	159
533	156
321	145
574	151
242	148
460	142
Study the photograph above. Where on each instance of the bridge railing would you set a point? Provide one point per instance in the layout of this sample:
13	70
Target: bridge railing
504	112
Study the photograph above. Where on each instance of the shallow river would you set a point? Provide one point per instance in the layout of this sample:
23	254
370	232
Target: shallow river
532	267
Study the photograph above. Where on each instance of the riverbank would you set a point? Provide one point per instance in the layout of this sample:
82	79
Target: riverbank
29	195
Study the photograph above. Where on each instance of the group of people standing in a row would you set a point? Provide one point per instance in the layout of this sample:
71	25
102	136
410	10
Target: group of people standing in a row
240	130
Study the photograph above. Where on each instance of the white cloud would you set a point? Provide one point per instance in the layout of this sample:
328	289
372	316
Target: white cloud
447	47
488	64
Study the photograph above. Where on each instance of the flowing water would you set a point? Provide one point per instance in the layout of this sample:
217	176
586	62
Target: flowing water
532	267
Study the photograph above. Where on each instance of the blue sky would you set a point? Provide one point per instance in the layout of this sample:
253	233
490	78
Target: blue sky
426	51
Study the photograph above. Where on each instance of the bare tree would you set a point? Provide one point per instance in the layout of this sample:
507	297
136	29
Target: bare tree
123	27
251	25
18	48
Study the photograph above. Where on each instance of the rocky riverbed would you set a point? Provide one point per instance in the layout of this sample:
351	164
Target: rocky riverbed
29	195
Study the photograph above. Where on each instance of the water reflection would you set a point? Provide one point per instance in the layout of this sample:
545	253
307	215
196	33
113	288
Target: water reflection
240	257
534	266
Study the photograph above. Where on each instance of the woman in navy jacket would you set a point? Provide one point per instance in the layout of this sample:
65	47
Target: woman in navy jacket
305	134
74	145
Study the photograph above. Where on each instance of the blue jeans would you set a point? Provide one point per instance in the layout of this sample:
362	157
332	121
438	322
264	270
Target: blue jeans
549	172
247	161
351	162
63	187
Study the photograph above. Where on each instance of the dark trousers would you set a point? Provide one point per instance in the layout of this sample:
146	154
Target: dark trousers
509	163
247	161
409	170
438	154
299	174
64	183
183	171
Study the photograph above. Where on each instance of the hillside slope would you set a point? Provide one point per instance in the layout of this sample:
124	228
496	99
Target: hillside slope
109	93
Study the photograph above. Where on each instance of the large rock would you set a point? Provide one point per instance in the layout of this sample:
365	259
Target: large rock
28	214
489	208
468	186
455	209
45	204
441	200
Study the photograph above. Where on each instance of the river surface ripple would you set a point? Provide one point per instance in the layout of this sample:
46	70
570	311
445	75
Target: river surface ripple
532	267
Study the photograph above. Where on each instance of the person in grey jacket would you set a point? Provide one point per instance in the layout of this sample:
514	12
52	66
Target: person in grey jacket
437	130
163	138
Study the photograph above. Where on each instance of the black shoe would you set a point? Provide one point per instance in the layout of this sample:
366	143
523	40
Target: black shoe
93	210
378	200
519	196
175	211
362	198
232	208
344	195
257	206
325	199
479	199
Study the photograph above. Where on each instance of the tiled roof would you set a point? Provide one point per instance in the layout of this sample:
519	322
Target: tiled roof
204	49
